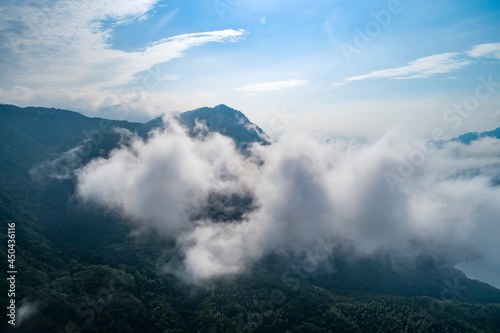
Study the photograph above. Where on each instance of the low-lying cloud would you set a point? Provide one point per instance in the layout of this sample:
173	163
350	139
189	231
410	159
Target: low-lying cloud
26	311
302	189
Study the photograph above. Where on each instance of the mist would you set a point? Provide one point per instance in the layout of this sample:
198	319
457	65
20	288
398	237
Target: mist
378	197
26	311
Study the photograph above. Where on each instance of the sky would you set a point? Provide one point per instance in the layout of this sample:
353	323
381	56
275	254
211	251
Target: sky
333	67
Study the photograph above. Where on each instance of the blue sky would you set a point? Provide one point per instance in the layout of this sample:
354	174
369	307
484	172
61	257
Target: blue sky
350	67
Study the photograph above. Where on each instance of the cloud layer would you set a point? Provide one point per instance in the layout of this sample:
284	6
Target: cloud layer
435	64
420	68
302	190
61	53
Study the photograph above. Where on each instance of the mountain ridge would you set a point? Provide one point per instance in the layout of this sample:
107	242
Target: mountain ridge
215	118
468	138
69	249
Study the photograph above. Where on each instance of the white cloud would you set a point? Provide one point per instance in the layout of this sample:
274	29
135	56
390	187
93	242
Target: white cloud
420	68
26	311
485	50
303	190
135	106
273	86
168	160
64	44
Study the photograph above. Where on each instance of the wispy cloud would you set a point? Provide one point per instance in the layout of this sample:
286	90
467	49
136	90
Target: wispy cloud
164	21
420	68
69	43
26	311
273	86
435	64
485	50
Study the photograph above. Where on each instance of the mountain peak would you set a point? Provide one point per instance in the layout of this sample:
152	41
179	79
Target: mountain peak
226	121
220	109
223	106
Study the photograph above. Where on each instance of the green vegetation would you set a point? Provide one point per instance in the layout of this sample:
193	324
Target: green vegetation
84	271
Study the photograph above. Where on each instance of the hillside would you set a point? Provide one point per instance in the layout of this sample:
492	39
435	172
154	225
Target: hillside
82	267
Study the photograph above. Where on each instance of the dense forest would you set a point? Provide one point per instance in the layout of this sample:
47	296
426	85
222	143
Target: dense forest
82	269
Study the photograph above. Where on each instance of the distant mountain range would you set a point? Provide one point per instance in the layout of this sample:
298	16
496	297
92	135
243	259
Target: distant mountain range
66	249
468	138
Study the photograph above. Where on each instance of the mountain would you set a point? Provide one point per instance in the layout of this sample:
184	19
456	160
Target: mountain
468	138
221	119
80	269
62	129
226	121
